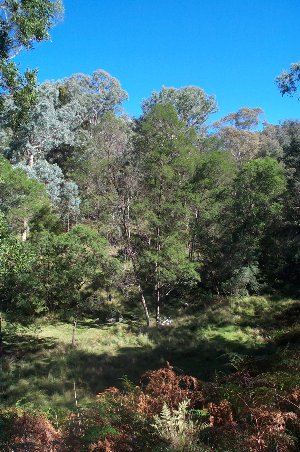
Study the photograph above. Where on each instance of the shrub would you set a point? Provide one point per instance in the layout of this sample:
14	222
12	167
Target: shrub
245	280
177	428
163	386
26	431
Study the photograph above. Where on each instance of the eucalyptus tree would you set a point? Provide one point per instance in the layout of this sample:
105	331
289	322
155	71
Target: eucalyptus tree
100	169
211	224
239	135
63	115
22	24
288	81
259	193
243	144
109	184
58	123
244	119
282	249
63	194
192	104
166	158
271	141
22	199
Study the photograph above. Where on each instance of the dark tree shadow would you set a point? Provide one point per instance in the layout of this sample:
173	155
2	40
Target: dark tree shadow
43	371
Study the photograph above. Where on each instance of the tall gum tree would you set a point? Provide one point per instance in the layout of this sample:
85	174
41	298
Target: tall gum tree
192	104
62	116
238	134
288	82
166	157
258	190
22	24
20	197
210	226
108	181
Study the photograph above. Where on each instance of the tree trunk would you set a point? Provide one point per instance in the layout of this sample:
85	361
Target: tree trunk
1	341
131	256
192	242
126	232
25	230
73	333
157	303
30	160
25	223
157	278
144	305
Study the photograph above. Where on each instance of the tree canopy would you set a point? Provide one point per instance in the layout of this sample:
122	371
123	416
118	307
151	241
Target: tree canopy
288	81
191	103
22	24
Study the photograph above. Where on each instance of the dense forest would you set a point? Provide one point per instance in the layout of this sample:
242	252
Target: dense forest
170	233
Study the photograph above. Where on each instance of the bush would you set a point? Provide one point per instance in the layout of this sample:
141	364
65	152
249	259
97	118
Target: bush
177	428
163	386
244	281
30	432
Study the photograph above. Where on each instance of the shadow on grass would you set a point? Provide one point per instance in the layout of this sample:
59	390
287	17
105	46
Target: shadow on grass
270	317
42	372
18	345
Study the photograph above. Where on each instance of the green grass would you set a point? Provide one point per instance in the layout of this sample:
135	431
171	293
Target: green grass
39	366
95	338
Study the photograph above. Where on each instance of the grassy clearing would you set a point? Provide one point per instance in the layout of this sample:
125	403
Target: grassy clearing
39	366
94	338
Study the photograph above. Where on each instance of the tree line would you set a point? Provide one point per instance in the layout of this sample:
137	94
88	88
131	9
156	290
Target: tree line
168	202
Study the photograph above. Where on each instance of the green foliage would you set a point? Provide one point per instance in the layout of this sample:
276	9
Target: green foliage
95	433
68	264
191	103
59	124
245	280
210	225
63	194
174	266
243	119
281	247
23	24
53	272
177	428
288	82
16	258
166	207
166	159
22	87
259	190
105	174
258	186
7	417
20	198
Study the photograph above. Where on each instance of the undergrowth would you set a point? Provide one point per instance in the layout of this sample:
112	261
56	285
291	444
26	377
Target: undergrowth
243	354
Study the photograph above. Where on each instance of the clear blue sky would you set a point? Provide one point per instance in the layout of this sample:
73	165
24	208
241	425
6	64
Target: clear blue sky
231	48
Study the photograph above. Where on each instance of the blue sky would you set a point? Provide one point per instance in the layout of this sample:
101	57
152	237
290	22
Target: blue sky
231	48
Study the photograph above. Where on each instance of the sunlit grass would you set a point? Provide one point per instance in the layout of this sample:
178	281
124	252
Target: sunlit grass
97	338
40	365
